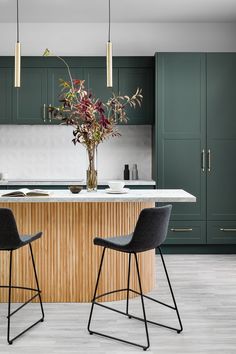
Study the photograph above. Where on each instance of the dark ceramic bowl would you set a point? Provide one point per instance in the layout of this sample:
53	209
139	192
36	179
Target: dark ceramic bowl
75	189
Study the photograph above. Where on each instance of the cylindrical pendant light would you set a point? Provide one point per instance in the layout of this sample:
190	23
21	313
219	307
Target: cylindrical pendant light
109	52
17	50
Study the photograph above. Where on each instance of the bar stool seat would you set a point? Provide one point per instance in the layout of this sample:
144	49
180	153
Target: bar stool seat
10	240
23	240
149	233
118	243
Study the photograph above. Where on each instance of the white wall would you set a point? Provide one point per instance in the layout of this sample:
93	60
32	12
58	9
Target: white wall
128	38
33	152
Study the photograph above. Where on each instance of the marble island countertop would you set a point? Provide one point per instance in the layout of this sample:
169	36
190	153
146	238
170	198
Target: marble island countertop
133	195
67	182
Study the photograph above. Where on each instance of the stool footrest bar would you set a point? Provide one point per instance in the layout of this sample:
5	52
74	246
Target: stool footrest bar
135	317
19	287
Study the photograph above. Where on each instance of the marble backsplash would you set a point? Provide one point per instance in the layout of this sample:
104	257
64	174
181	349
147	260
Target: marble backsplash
47	152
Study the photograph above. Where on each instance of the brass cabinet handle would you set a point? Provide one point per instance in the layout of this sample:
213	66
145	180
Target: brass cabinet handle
50	113
228	230
203	160
44	112
182	230
209	160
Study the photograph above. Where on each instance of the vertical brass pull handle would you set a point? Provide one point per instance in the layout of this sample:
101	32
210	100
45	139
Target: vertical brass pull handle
209	160
49	113
203	162
44	112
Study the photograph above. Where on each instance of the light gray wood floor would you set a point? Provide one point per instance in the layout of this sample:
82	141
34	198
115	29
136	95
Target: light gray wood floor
205	289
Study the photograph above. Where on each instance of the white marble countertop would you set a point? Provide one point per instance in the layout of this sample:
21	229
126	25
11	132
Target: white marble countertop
133	195
69	182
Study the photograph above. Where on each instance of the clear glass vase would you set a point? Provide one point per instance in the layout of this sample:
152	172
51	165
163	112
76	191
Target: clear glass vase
91	175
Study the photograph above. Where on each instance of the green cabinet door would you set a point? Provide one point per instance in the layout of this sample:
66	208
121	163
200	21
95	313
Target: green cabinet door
221	137
221	232
186	233
129	80
6	89
96	82
54	88
180	129
30	100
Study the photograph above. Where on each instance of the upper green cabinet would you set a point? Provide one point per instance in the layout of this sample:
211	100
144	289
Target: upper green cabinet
40	86
55	75
129	80
30	100
96	82
6	80
180	129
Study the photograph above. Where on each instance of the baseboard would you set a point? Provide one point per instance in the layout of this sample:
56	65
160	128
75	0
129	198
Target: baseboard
198	249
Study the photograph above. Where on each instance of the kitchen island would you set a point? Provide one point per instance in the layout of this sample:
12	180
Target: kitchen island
67	261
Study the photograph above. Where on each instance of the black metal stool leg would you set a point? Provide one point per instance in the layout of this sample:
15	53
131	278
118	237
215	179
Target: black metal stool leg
95	291
9	302
120	312
128	286
10	287
171	290
37	282
142	301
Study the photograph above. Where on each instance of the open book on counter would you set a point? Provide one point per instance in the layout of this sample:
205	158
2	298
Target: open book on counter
25	192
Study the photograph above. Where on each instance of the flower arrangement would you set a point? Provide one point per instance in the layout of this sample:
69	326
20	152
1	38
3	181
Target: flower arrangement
93	121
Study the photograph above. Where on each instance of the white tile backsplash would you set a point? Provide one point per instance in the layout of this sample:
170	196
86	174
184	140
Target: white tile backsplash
47	152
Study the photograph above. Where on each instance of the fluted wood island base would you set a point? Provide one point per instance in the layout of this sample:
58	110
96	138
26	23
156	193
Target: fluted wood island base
66	259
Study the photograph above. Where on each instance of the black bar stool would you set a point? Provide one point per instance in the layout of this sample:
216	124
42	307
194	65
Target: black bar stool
150	232
10	240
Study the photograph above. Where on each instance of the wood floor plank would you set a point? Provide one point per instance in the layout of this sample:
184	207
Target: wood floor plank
205	289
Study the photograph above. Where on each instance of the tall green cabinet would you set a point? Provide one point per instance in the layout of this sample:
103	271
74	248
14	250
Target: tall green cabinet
221	142
195	141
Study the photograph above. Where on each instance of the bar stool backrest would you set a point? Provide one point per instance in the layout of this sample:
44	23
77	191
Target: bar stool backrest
151	228
9	236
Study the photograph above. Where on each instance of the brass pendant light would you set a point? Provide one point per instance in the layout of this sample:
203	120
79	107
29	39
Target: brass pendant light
109	51
17	50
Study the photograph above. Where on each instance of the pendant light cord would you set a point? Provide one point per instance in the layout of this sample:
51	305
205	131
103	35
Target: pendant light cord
17	22
109	26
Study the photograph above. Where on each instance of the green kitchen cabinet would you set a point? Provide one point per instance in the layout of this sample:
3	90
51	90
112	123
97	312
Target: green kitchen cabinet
40	85
180	130
221	144
54	75
186	232
96	82
30	100
195	142
129	80
221	232
221	136
6	89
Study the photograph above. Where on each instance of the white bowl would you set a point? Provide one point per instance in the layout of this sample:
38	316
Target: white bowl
116	185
